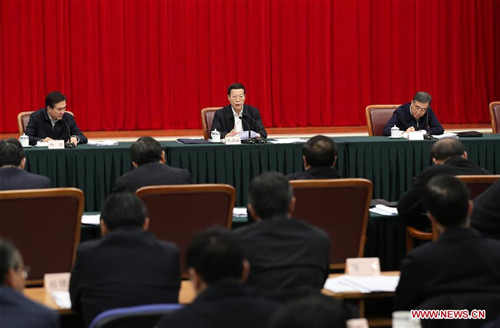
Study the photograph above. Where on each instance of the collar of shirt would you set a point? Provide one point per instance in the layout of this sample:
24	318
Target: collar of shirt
238	126
52	121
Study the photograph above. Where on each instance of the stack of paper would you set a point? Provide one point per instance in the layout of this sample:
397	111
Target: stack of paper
288	141
62	299
103	143
384	210
91	219
362	284
240	211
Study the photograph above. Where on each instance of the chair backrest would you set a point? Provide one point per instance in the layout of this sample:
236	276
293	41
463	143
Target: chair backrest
44	224
178	212
477	184
495	116
207	116
377	116
24	117
340	208
144	316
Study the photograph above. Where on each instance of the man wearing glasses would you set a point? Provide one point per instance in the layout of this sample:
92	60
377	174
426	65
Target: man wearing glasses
414	116
237	117
52	122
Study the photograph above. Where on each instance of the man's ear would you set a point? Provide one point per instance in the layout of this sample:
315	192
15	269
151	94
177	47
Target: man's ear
335	161
246	270
23	163
163	157
291	207
104	228
195	279
145	225
253	213
135	165
464	155
306	165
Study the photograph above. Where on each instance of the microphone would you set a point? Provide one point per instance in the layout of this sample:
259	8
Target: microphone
248	125
68	144
259	125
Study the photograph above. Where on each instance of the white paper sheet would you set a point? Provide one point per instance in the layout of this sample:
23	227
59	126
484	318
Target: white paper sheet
106	142
240	211
62	299
362	284
91	219
288	141
384	210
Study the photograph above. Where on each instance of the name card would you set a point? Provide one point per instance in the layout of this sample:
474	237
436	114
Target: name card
366	266
56	282
415	136
357	323
56	144
236	140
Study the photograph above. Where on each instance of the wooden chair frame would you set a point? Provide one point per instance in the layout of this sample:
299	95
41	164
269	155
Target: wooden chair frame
494	123
369	121
20	124
333	183
50	193
204	123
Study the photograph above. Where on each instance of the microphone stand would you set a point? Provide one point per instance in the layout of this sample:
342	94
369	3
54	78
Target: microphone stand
259	125
68	144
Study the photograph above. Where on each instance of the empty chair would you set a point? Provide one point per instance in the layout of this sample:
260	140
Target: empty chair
143	316
207	116
495	116
377	116
24	117
177	212
45	226
340	208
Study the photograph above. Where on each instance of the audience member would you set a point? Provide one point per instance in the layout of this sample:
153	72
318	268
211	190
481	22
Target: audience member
416	115
12	173
460	261
311	312
53	123
15	309
128	266
319	155
237	117
449	157
284	253
148	159
217	269
486	214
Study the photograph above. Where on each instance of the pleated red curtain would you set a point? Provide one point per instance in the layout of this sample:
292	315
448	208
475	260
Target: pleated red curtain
144	64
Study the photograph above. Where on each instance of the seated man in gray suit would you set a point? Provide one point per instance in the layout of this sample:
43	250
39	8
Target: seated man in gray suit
320	156
12	173
460	262
15	309
148	159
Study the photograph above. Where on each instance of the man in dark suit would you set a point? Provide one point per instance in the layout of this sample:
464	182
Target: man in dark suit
128	266
319	155
460	261
148	159
12	173
486	214
236	117
52	123
449	157
284	253
15	309
416	115
217	269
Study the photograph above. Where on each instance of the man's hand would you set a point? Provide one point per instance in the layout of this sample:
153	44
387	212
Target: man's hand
410	129
232	133
74	140
46	139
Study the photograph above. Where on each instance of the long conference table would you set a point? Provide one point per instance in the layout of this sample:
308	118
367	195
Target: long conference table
389	163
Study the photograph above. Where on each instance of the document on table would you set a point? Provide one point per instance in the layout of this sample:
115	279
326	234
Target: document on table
106	142
62	299
91	219
384	210
288	141
240	211
362	284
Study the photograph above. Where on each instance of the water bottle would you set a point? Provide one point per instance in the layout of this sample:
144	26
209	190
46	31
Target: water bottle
394	131
24	140
215	136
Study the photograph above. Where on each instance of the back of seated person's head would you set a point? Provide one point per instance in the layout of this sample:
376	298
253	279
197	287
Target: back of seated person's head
123	210
145	150
216	256
11	152
11	265
447	199
270	194
320	151
446	148
310	312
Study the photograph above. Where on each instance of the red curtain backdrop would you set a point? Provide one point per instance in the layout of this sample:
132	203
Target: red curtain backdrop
134	64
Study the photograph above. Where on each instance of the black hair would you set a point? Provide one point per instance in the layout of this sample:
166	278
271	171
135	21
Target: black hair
53	98
422	97
145	150
216	255
447	199
11	152
447	147
320	151
235	86
123	210
10	258
270	194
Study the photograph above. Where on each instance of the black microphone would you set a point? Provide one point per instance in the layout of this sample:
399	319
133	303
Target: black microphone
259	125
248	125
68	144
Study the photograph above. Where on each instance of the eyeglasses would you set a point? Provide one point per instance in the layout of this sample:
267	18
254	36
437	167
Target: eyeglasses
25	272
419	109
